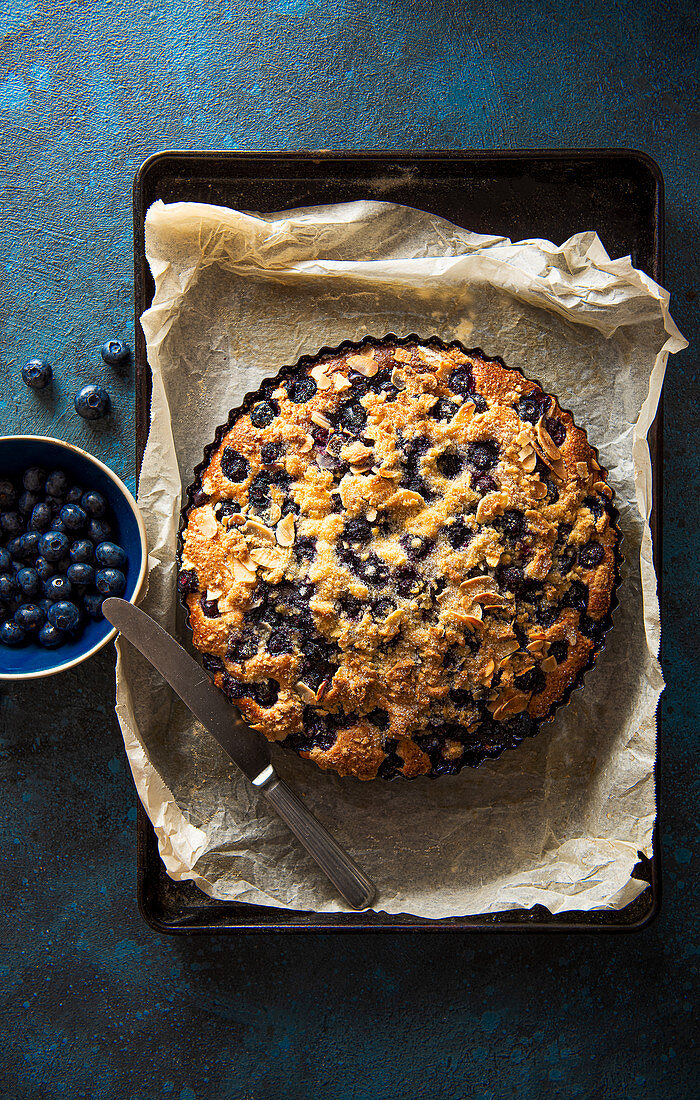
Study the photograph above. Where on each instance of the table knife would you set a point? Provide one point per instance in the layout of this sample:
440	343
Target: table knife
247	748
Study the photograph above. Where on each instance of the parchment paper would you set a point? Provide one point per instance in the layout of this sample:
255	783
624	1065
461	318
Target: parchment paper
560	820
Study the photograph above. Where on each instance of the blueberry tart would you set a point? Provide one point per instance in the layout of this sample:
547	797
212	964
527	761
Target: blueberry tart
398	557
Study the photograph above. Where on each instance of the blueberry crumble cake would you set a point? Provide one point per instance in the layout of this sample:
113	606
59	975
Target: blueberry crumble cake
398	557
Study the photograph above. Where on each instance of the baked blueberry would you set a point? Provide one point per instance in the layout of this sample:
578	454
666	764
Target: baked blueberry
226	508
450	463
556	430
111	555
484	483
559	651
50	637
112	582
53	545
12	634
234	465
459	534
93	503
210	608
444	409
461	381
187	581
115	352
532	406
263	413
352	418
302	390
482	456
37	373
576	596
591	554
64	615
416	546
270	452
92	402
513	524
511	579
532	681
280	641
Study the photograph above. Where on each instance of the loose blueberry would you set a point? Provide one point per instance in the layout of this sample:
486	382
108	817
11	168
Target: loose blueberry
263	413
50	637
34	479
56	483
81	574
15	548
64	615
58	588
8	495
110	555
29	581
40	518
99	530
74	495
43	569
302	390
12	634
112	582
8	586
92	605
56	524
37	373
82	550
93	503
73	517
5	560
26	503
53	545
482	456
591	555
234	465
11	523
92	402
30	617
115	352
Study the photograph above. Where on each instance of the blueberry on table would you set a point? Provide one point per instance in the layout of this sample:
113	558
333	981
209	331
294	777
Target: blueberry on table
37	373
94	504
92	605
8	494
110	555
73	517
58	588
64	615
92	402
56	483
115	352
8	586
80	573
98	530
50	636
11	523
29	581
30	617
11	634
40	518
34	479
110	582
82	550
53	545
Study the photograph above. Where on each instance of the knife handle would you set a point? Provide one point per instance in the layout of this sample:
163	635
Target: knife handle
345	875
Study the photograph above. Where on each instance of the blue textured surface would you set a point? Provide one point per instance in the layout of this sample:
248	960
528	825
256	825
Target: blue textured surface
94	1003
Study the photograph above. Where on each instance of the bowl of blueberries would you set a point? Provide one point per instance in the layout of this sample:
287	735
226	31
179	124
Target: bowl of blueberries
70	536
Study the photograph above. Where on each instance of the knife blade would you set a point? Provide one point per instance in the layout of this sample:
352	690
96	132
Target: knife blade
247	748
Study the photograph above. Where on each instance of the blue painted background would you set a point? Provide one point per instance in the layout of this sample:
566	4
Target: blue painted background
94	1004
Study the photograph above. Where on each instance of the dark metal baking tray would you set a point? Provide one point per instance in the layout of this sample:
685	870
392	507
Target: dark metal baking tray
530	193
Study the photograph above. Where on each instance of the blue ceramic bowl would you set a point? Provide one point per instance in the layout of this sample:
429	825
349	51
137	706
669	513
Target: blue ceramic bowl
17	452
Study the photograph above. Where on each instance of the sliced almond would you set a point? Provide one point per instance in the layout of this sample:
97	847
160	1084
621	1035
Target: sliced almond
386	472
485	673
491	599
402	356
285	531
307	444
341	383
464	415
398	379
320	376
474	584
393	619
371	514
305	693
356	453
536	647
274	512
321	420
546	441
279	392
364	364
603	487
510	645
207	522
514	705
493	504
214	593
582	470
254	527
473	622
549	664
269	557
539	490
241	574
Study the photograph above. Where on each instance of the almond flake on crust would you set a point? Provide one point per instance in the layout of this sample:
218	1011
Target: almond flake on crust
364	364
285	531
